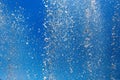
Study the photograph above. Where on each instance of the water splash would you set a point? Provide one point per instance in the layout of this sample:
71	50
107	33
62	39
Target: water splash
12	28
73	36
58	24
115	43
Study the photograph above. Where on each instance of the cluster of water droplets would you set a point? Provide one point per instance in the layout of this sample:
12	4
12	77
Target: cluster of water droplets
12	29
73	36
58	24
115	62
